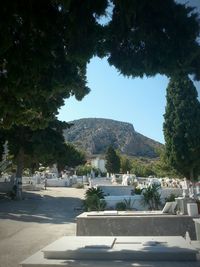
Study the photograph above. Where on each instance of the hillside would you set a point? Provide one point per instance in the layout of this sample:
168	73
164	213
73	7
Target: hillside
94	135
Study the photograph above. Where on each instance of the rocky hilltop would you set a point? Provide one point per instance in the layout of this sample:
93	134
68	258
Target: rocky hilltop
94	135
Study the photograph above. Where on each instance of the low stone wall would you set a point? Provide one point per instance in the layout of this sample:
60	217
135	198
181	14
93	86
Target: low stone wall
135	201
148	225
116	190
58	182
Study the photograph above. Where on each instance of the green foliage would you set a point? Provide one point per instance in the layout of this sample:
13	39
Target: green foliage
94	191
85	169
120	206
159	167
125	164
93	203
138	191
13	193
112	161
71	157
129	204
182	127
162	168
43	146
170	198
142	167
44	56
132	35
151	197
2	142
94	199
126	204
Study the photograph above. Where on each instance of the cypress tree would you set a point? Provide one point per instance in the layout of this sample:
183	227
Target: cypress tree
112	160
182	127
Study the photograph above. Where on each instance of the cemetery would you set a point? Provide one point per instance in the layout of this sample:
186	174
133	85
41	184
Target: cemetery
169	235
84	192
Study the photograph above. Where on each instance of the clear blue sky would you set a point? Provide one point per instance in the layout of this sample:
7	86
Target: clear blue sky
138	101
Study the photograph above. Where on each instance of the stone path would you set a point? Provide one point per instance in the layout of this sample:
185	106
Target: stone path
42	217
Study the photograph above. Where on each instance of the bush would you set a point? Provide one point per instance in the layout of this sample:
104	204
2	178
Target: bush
94	200
151	197
170	198
128	204
120	206
93	203
138	191
13	193
94	191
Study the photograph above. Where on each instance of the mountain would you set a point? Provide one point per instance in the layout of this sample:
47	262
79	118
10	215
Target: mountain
94	135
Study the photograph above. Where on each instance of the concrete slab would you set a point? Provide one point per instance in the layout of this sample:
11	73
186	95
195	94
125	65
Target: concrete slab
121	248
69	247
111	249
37	260
134	224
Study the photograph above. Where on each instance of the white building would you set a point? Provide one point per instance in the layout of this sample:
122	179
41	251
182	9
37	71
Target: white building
99	164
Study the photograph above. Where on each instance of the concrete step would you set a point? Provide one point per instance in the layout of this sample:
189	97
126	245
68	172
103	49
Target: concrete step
123	248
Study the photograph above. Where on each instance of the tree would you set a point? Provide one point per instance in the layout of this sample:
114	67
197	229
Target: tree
71	158
161	166
125	164
46	45
44	50
31	147
2	142
182	127
112	160
147	37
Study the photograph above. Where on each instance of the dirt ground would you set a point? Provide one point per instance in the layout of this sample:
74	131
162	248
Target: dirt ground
42	217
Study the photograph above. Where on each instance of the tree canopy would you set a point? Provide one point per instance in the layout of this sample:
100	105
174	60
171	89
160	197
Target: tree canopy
112	161
44	50
182	127
150	37
45	47
43	146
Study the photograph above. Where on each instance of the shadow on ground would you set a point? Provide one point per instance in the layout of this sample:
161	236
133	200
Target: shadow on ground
41	208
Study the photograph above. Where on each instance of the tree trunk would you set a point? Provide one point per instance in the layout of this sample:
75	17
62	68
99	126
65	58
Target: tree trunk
191	174
19	172
193	183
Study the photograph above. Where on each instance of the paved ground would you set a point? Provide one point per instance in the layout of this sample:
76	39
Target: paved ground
41	218
27	226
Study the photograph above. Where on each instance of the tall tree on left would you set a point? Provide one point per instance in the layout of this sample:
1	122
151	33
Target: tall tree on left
41	59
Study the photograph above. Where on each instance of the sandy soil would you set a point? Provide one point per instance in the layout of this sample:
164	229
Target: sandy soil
27	226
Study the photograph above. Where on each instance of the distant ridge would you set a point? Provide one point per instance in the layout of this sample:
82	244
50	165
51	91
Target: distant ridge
94	135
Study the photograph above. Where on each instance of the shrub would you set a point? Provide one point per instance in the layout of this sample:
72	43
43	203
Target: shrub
170	198
151	197
128	204
120	206
138	191
93	203
94	191
94	199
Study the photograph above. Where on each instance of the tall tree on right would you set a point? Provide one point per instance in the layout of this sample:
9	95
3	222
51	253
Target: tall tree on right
182	127
112	160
